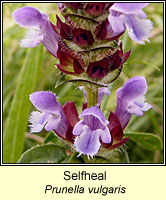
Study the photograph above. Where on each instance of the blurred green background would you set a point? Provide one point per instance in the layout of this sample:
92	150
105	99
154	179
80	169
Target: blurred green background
28	70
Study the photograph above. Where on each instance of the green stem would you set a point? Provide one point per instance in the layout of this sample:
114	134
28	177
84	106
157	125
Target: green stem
127	156
73	156
92	96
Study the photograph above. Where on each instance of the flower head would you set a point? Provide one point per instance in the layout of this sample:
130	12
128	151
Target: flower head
130	16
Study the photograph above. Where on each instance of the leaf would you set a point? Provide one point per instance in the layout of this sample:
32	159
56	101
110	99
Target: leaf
75	159
48	153
148	141
144	63
118	155
51	137
16	124
97	159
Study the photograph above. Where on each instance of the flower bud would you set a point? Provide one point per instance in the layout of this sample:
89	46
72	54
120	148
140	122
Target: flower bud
82	37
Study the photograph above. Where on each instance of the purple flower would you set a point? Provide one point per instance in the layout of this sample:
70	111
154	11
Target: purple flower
91	131
130	99
51	115
40	29
130	16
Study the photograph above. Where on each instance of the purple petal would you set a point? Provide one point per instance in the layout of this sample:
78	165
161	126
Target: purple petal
138	29
116	21
33	38
45	102
127	97
132	89
110	34
101	92
55	118
31	18
134	109
138	106
88	143
141	14
60	5
27	17
50	38
128	8
53	122
105	135
79	128
96	112
90	131
58	123
38	121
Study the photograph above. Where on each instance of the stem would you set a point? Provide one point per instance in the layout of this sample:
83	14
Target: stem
73	156
92	96
156	156
95	96
127	156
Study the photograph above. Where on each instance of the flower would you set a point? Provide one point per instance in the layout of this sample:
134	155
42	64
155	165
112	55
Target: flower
91	131
40	29
51	115
130	99
130	16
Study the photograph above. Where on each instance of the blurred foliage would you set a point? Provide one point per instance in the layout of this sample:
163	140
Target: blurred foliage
145	60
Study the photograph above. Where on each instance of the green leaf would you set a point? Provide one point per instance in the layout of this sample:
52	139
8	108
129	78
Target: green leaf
97	159
51	137
16	124
148	141
75	159
118	155
144	63
48	153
